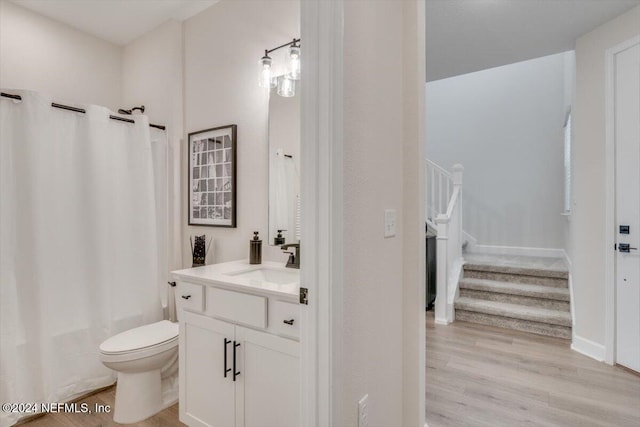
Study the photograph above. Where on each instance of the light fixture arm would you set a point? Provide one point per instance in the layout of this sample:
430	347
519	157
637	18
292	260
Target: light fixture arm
295	43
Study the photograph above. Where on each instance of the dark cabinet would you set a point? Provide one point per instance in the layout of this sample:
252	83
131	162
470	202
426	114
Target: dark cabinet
431	269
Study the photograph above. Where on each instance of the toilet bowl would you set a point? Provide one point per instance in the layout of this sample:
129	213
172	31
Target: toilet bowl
143	357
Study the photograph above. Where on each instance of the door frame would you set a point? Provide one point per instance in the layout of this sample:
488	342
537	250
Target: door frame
321	383
322	206
610	187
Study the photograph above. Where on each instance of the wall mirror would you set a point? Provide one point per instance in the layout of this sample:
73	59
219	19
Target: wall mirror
284	167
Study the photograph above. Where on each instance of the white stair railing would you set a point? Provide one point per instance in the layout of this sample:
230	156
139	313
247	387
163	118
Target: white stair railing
439	189
448	223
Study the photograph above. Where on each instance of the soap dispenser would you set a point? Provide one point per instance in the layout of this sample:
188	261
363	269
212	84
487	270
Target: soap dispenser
279	239
255	249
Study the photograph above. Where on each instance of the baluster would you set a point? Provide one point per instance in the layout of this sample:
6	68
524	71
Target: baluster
440	194
433	183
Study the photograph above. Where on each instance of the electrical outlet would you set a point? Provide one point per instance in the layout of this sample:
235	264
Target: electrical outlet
363	411
389	223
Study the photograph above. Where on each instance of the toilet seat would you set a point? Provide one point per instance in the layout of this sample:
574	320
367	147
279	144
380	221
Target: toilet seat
147	339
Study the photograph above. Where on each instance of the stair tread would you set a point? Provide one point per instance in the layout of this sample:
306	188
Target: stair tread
515	311
522	289
515	267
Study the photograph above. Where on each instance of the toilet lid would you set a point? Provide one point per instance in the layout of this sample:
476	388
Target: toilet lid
141	337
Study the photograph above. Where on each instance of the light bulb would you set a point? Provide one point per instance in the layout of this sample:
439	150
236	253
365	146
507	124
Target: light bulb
286	86
265	73
294	62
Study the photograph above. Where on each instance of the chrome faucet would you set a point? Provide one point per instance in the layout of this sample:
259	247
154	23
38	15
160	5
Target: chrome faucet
294	258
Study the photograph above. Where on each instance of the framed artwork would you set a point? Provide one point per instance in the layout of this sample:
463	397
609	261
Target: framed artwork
212	177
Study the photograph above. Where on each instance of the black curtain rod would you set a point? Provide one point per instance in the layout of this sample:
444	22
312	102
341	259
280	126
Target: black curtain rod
81	110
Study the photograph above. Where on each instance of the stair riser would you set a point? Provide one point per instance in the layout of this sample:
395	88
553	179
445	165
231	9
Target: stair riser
516	299
516	324
516	278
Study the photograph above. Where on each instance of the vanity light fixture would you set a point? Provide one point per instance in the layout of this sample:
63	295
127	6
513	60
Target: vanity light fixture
286	86
294	61
286	83
265	71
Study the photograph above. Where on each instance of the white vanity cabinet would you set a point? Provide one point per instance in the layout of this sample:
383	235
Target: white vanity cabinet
239	358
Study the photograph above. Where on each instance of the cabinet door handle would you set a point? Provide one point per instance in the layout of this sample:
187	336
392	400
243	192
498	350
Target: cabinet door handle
235	372
289	322
226	370
186	296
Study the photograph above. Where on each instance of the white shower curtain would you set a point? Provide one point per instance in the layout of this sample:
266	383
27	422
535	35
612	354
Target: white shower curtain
78	245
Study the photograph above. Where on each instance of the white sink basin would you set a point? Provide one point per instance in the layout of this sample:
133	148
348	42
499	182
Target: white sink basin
280	277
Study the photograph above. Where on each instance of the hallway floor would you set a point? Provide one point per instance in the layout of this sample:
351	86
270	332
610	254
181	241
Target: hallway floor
485	376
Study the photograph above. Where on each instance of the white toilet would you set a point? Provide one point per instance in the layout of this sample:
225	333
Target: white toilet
146	360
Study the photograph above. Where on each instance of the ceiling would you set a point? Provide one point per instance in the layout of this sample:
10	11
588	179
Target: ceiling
462	35
471	35
117	21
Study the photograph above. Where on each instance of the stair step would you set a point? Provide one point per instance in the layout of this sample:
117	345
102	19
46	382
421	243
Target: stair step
514	311
517	269
550	304
502	274
521	289
516	324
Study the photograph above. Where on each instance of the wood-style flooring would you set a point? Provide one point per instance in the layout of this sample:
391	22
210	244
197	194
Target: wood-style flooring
485	376
480	376
167	418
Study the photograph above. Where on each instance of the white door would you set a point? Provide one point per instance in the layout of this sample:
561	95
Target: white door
267	393
627	149
207	389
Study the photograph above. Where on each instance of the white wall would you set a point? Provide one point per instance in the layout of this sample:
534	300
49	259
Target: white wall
587	246
38	53
152	76
505	126
222	47
373	182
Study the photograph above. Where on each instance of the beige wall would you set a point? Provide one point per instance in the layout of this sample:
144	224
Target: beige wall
373	182
505	122
222	47
587	224
38	53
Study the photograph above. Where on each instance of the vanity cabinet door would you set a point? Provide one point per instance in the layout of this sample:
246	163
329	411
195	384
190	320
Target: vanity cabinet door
207	398
267	394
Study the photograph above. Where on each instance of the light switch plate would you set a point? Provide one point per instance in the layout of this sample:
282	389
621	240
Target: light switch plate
390	223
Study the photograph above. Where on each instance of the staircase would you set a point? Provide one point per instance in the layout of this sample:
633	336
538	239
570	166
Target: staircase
522	293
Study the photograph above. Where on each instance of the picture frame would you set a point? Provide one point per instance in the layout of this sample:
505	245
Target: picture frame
211	179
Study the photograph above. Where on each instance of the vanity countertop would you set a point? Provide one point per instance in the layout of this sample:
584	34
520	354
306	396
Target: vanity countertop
244	277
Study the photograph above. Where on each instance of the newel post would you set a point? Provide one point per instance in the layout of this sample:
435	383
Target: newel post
442	222
456	174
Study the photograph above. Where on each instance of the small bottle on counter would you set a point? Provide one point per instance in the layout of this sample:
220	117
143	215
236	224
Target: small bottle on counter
279	239
255	249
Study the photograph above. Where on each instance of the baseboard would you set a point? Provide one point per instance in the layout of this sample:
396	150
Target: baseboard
442	322
472	242
517	250
588	348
